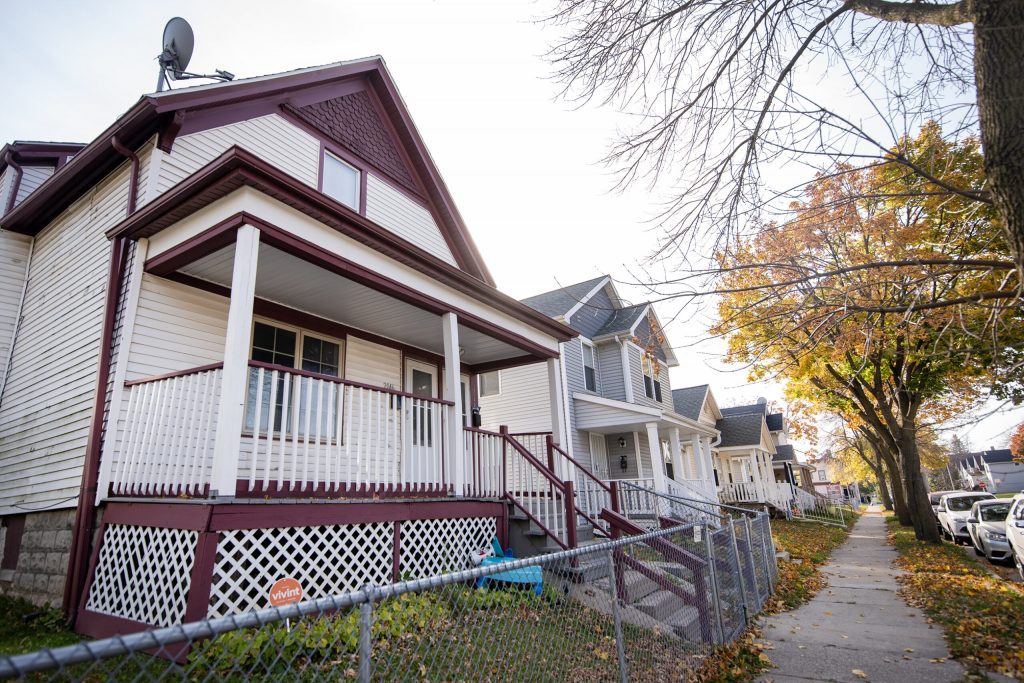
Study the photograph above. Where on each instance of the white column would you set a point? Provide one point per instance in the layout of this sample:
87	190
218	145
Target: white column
556	401
657	463
679	468
698	461
453	427
706	460
236	364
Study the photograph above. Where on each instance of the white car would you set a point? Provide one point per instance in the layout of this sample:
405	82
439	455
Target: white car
1015	531
954	509
987	527
933	499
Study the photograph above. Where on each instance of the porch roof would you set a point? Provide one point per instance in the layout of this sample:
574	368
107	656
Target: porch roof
609	416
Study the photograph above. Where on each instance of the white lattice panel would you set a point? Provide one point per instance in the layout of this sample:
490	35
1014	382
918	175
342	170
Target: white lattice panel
326	560
144	574
437	546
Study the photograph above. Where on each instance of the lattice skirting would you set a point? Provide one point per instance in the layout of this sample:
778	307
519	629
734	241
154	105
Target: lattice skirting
143	574
333	559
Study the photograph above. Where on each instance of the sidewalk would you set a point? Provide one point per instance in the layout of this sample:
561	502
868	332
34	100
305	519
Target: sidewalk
858	623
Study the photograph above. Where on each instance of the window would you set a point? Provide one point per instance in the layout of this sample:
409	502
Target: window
589	367
490	383
652	374
341	181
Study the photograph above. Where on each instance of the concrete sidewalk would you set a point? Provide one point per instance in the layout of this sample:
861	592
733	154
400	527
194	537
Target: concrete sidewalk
858	622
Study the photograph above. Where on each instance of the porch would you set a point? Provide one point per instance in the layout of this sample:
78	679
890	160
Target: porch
746	476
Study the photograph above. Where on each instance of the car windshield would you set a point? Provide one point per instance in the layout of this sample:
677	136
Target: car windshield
995	513
963	503
935	498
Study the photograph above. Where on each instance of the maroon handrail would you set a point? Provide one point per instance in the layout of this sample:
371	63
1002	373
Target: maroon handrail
346	382
172	375
550	476
552	446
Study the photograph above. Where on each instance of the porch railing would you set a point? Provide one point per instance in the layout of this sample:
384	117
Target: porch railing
633	500
305	432
486	460
534	489
742	492
166	446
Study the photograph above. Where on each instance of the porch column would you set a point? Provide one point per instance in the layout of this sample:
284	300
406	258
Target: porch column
556	403
706	460
233	381
657	463
679	468
698	459
455	462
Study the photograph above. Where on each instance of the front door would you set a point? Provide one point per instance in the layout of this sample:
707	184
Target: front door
421	381
599	456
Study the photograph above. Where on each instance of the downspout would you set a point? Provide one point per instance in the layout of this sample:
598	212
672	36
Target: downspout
16	184
85	517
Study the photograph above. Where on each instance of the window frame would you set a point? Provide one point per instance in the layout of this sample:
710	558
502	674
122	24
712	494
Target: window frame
652	386
584	345
480	384
361	171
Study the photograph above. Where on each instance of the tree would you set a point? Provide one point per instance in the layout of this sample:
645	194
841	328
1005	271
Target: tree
1017	443
722	98
872	344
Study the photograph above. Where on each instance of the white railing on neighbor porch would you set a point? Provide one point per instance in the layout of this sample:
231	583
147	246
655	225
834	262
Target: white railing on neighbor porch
806	501
692	488
742	492
309	433
634	500
166	446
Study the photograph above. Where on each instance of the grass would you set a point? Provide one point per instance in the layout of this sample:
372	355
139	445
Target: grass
808	543
982	615
25	627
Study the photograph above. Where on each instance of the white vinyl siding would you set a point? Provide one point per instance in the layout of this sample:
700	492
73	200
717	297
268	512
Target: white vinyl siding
6	180
637	375
47	403
370	363
31	178
522	404
176	328
406	218
609	360
14	250
270	137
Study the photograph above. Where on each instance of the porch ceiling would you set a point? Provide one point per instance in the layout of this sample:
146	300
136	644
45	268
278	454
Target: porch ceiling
296	283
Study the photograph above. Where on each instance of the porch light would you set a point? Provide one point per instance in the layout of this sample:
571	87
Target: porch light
622	443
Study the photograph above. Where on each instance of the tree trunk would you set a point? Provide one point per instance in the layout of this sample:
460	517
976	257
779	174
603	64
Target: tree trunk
883	486
889	464
918	506
998	56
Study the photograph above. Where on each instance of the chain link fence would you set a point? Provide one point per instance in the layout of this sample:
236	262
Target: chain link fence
648	607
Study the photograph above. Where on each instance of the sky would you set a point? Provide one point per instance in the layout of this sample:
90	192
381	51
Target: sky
522	164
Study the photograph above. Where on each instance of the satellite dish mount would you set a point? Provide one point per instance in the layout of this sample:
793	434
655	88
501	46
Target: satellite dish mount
179	41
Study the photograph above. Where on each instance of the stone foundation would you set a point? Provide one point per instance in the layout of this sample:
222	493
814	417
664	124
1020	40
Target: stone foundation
43	560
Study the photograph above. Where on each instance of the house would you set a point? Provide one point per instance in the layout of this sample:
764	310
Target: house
243	329
620	420
746	455
996	467
829	486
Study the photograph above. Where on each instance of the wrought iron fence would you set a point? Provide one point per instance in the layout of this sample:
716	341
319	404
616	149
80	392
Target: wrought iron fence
647	607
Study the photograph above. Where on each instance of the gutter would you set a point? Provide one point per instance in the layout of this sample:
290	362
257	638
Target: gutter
16	184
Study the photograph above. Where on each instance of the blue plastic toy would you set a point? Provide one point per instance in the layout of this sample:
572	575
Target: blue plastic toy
524	575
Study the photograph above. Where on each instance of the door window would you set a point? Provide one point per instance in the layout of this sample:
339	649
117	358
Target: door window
421	381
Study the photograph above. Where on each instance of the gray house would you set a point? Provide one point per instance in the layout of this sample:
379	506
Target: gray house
619	418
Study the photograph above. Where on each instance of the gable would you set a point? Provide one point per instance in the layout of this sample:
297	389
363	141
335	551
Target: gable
353	122
592	315
648	339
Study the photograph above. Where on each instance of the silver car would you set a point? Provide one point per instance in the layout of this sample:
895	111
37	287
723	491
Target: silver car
953	512
987	526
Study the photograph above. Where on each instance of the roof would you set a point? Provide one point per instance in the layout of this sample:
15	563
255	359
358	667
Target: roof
560	301
774	421
740	430
994	455
622	320
168	113
38	153
688	401
755	408
784	453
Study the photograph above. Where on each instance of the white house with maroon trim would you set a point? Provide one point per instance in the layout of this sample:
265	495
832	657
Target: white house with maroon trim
242	329
622	422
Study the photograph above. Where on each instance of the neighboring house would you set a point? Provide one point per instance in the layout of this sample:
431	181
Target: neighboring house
830	487
745	456
239	295
995	467
620	421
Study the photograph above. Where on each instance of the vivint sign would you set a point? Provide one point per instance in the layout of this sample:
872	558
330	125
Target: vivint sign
285	591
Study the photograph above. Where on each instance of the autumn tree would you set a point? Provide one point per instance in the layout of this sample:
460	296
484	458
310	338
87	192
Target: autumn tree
725	93
1017	443
893	347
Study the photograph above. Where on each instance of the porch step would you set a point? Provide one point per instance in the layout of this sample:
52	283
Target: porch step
685	622
659	605
638	586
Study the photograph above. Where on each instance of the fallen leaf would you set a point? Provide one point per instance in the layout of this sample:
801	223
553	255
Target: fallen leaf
858	673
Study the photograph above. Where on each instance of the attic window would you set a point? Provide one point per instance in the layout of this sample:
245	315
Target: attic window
341	181
652	376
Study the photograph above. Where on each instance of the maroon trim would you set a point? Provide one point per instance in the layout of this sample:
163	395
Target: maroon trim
320	490
396	553
16	183
85	514
339	380
206	242
15	525
169	130
555	447
264	516
172	375
133	178
198	606
163	515
492	365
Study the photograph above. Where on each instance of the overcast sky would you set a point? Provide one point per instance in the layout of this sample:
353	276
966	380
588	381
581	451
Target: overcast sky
521	165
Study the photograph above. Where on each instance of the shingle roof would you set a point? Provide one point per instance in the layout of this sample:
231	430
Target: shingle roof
689	400
740	430
754	408
994	455
560	301
622	320
774	421
784	453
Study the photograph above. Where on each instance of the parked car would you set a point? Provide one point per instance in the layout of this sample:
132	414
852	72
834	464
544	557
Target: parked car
954	508
933	499
987	527
1015	531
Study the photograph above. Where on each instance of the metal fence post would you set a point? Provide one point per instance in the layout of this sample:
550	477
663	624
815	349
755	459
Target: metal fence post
753	563
767	559
613	592
365	636
715	591
739	571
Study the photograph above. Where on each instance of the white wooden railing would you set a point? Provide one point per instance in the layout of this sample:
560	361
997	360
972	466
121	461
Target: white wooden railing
536	443
806	501
166	447
635	501
742	492
538	493
485	459
700	489
305	432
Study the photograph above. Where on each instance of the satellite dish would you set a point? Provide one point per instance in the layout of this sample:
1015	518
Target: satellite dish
179	41
178	44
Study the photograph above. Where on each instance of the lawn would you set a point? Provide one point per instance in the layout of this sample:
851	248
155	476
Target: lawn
983	616
25	627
